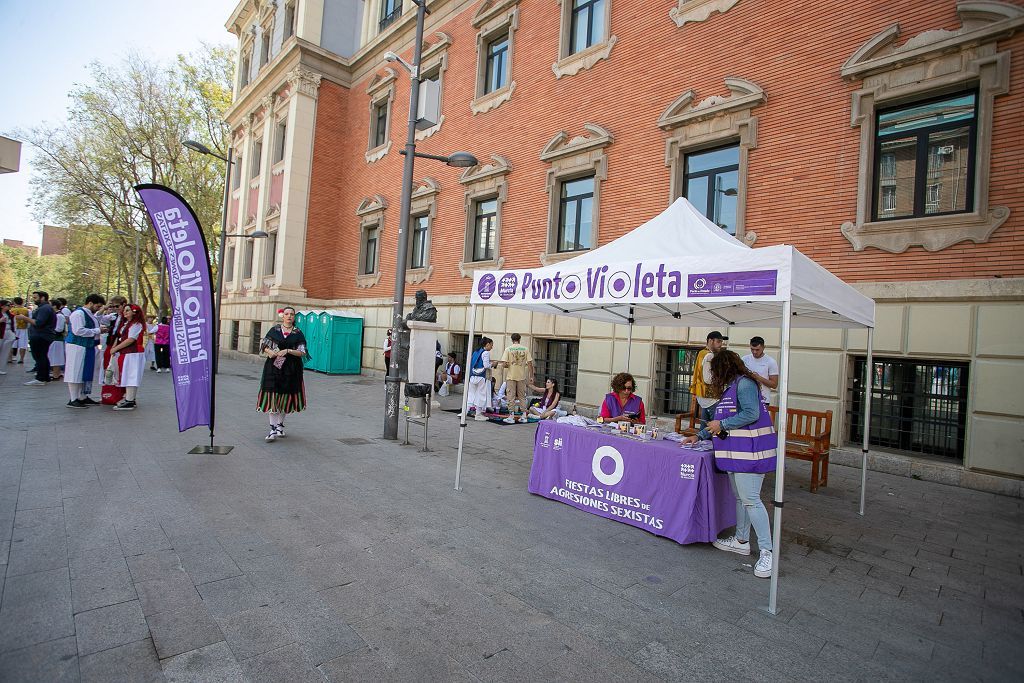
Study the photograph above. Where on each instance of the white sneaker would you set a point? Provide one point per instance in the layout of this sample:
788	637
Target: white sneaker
35	383
272	436
280	429
480	417
733	545
509	420
763	568
523	420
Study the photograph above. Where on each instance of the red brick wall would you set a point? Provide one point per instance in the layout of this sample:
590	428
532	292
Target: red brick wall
802	180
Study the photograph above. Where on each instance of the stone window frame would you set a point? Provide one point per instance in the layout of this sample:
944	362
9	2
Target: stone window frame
246	53
932	63
380	89
272	228
571	64
423	203
494	18
698	10
371	215
483	182
694	126
290	28
435	58
571	158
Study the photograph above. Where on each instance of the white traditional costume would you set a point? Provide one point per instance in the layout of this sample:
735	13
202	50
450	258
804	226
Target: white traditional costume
83	361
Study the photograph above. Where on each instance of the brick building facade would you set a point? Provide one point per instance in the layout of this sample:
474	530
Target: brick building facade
882	139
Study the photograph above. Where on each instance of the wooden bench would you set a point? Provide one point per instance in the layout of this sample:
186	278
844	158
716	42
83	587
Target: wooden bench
807	437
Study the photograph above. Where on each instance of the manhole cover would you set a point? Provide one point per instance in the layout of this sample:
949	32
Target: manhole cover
354	441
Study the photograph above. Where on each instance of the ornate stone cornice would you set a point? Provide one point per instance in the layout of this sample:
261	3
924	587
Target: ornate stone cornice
381	81
304	81
699	10
562	145
369	205
498	166
980	22
425	188
743	94
490	9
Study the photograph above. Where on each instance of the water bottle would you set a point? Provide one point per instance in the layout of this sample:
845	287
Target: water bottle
573	408
653	430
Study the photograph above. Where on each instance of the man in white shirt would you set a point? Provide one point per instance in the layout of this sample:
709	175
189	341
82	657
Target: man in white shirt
764	368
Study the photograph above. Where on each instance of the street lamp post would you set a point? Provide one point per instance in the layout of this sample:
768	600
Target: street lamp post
458	159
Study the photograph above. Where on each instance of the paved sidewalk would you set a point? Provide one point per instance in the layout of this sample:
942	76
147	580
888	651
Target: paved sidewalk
334	555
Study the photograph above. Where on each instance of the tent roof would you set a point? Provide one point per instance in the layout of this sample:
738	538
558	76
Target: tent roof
680	269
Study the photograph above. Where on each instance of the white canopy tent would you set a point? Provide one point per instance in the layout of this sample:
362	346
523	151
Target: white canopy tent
679	269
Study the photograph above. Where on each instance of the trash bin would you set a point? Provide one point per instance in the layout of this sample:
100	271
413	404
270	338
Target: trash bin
417	400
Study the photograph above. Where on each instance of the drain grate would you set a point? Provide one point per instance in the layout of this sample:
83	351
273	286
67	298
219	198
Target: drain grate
355	441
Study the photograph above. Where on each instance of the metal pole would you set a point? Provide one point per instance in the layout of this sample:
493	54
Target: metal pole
780	457
869	390
392	381
629	339
220	261
465	397
135	287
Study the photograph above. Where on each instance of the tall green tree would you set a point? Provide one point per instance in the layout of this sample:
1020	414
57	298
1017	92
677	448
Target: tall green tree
125	127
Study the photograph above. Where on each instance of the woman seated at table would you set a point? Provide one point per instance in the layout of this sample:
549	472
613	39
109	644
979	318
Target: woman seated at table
547	409
622	405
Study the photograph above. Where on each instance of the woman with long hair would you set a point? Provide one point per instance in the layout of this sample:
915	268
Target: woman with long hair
621	404
282	390
547	409
128	353
745	446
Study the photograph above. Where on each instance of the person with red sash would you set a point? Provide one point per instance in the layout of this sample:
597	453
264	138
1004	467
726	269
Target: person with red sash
745	447
129	354
622	405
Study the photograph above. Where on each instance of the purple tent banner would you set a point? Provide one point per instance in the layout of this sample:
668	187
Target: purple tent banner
189	281
744	283
654	485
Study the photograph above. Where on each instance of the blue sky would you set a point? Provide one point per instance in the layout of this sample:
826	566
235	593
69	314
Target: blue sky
49	43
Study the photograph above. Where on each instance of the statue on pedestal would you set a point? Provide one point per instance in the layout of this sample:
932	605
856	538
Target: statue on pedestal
424	311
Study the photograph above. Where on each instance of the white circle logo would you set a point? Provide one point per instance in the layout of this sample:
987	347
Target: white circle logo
700	283
607	479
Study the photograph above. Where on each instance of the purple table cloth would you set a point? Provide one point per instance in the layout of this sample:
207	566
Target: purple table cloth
654	485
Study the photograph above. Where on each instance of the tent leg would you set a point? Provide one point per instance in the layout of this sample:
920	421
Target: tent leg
465	398
629	345
780	458
869	391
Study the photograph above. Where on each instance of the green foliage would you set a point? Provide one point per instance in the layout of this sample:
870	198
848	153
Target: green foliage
123	128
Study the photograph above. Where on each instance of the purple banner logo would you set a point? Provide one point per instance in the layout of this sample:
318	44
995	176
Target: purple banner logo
507	286
741	283
485	288
189	281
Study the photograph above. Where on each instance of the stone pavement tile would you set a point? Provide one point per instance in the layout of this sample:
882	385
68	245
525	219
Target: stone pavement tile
36	608
355	601
505	665
111	626
885	561
140	537
46	497
211	663
853	638
318	630
168	594
401	649
38	542
182	630
285	665
103	558
675	661
132	663
56	661
231	596
154	565
206	563
102	587
254	632
929	559
776	628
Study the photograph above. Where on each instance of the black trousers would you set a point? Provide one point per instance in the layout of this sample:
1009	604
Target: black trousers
40	349
163	355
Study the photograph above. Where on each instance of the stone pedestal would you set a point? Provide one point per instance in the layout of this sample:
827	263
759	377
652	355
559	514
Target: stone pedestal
422	354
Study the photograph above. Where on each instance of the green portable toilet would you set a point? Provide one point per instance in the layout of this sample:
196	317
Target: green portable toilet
342	343
307	321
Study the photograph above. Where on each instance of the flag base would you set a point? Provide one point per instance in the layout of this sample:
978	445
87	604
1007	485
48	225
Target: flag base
211	450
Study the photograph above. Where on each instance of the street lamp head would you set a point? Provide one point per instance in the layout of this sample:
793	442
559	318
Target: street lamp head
257	235
462	160
729	192
197	146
